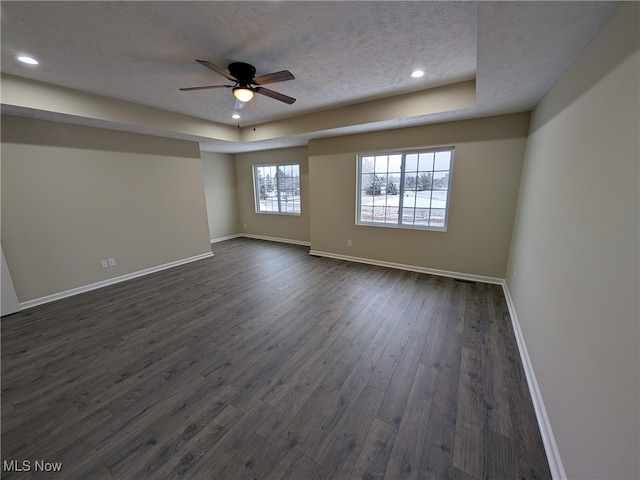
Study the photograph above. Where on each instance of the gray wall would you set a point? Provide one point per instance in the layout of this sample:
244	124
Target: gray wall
289	227
221	194
484	188
72	196
573	267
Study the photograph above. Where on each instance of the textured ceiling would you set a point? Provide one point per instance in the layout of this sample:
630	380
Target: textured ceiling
341	53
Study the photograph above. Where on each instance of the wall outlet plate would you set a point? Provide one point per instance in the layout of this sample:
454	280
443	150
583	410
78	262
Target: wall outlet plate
112	262
104	264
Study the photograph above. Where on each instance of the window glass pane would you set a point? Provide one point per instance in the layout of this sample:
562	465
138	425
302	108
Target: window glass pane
378	213
366	213
423	199
269	205
441	180
422	216
443	160
382	164
367	164
439	199
425	161
410	181
286	203
370	184
390	199
409	199
381	179
424	181
395	163
411	162
393	184
392	213
437	217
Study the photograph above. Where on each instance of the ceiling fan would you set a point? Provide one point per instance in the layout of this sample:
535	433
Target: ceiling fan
246	84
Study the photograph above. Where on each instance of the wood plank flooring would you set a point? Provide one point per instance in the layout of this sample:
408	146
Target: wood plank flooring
264	362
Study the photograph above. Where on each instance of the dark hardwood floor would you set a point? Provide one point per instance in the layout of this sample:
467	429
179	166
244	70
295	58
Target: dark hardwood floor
264	362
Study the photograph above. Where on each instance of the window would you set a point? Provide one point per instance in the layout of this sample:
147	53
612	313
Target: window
405	189
277	188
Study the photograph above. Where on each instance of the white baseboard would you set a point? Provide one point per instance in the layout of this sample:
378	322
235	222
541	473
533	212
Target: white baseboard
550	446
275	239
110	281
222	239
261	237
411	268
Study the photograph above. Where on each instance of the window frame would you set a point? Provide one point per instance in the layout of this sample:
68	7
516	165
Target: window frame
402	189
256	188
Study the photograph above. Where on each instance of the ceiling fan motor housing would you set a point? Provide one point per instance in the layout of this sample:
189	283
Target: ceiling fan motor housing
242	71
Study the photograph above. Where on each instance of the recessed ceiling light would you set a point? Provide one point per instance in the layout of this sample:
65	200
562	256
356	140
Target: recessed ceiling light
417	73
235	115
27	60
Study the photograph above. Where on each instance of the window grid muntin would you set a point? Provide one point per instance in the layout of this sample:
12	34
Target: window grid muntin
430	216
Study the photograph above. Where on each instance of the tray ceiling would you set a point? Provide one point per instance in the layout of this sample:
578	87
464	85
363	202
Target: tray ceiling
343	55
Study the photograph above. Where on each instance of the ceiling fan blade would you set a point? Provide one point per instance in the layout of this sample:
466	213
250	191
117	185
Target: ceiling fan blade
282	76
217	69
275	95
188	89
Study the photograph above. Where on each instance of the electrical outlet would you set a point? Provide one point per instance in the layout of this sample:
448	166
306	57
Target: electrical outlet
104	264
112	262
245	224
349	243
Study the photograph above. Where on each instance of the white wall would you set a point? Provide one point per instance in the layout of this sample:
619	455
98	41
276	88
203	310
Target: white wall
573	268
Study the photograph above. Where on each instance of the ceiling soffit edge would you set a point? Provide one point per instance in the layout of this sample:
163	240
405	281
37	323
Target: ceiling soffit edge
446	98
62	103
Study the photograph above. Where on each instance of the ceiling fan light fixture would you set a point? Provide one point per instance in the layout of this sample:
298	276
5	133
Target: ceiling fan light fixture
244	94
